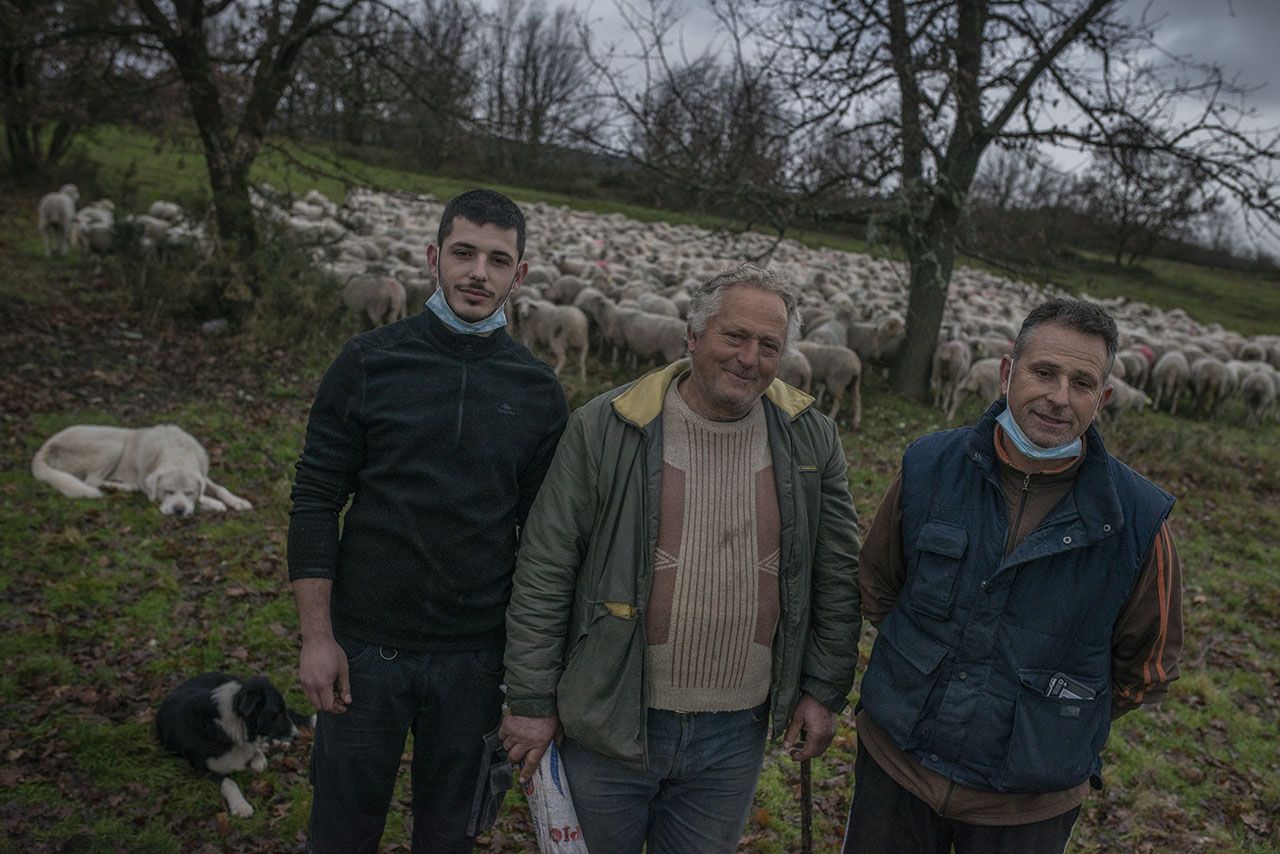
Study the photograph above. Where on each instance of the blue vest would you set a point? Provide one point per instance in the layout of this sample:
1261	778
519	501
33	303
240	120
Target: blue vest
960	671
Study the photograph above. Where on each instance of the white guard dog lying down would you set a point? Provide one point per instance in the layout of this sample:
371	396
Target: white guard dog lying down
165	462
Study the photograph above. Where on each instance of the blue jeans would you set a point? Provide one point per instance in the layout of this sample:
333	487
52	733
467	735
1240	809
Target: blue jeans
450	701
694	796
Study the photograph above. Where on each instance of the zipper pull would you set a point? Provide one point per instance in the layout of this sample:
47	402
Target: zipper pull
1026	481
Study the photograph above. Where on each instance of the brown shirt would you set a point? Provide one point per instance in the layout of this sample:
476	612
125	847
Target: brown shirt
1145	644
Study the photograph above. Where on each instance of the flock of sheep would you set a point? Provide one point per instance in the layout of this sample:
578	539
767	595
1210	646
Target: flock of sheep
608	283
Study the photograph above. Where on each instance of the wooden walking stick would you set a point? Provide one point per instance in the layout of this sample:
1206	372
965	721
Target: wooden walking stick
806	809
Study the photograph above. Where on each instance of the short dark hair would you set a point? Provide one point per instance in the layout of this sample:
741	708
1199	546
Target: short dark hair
483	207
1081	315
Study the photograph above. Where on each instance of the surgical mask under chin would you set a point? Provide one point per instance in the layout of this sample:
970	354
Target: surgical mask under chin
1029	448
440	308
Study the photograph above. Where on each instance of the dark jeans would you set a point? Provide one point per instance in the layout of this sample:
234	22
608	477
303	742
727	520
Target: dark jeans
692	799
450	701
887	819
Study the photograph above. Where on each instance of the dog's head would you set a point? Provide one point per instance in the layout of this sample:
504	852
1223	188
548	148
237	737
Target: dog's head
178	490
262	710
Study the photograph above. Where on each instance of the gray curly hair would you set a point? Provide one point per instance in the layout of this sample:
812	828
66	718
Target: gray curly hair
709	296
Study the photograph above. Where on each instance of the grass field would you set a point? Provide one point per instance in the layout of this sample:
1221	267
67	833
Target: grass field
106	605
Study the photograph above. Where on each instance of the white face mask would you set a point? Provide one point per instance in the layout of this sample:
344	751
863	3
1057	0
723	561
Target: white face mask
1029	448
440	308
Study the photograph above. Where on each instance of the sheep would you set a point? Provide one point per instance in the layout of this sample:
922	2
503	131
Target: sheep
565	289
652	336
1136	366
380	298
167	211
558	327
838	369
950	363
794	369
877	342
57	210
1259	393
1124	397
1211	382
1169	377
990	347
654	304
982	381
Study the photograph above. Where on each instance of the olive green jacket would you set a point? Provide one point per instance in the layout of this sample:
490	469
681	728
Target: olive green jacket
575	625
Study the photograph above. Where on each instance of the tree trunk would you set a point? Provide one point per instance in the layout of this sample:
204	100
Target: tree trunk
931	254
233	213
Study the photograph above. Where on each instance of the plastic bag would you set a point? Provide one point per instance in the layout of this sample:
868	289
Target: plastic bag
551	808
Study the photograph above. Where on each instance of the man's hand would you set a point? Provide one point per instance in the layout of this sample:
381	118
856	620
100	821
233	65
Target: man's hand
526	739
322	669
812	727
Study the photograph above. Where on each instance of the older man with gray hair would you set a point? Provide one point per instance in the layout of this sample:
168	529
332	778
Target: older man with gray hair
686	579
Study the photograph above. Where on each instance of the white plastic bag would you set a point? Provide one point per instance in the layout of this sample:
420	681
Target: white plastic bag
551	808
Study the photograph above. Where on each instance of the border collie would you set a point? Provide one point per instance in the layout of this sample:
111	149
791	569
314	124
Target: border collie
220	725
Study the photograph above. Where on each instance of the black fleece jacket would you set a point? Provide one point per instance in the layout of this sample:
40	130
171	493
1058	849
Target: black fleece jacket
443	439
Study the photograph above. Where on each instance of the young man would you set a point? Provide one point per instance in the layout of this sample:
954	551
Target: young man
1027	592
688	578
439	428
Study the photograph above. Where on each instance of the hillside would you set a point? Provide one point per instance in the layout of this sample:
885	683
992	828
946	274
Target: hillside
106	603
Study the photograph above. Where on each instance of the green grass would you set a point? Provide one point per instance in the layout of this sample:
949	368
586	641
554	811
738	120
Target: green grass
107	604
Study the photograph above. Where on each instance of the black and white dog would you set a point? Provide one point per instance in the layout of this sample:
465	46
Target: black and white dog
220	724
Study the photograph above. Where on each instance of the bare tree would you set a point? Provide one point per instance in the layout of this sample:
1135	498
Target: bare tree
234	58
537	83
53	83
1141	195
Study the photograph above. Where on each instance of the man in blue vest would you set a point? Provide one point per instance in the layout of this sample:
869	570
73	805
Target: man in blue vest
1027	593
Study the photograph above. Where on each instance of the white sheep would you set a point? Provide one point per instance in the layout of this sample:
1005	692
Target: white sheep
839	370
951	362
167	211
1124	398
1259	393
652	336
57	211
557	327
1169	378
380	298
1211	382
794	369
981	381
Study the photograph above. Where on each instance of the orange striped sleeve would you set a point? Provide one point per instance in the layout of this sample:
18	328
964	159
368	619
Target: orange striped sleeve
1147	640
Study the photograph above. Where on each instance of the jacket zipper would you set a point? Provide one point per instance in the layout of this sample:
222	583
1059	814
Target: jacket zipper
1017	521
462	397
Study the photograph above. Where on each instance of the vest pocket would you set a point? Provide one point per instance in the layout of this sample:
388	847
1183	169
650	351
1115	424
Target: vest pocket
903	667
940	547
1054	740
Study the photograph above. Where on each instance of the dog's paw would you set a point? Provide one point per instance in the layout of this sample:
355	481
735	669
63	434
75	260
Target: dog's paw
241	810
259	762
237	503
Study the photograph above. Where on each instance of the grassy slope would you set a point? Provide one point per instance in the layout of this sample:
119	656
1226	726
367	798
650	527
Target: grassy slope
105	603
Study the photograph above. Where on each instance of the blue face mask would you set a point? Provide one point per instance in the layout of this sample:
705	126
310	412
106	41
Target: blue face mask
1029	448
440	308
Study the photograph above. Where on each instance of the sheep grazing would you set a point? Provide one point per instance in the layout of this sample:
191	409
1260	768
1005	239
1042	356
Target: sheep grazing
557	327
650	337
1258	390
877	342
167	211
839	370
794	370
1136	367
1124	398
379	298
981	381
57	213
1169	378
1211	382
950	363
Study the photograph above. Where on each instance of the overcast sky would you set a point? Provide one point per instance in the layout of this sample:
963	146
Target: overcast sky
1241	35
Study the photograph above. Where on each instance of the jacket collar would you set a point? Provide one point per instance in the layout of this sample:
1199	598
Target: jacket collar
1094	496
641	402
433	328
